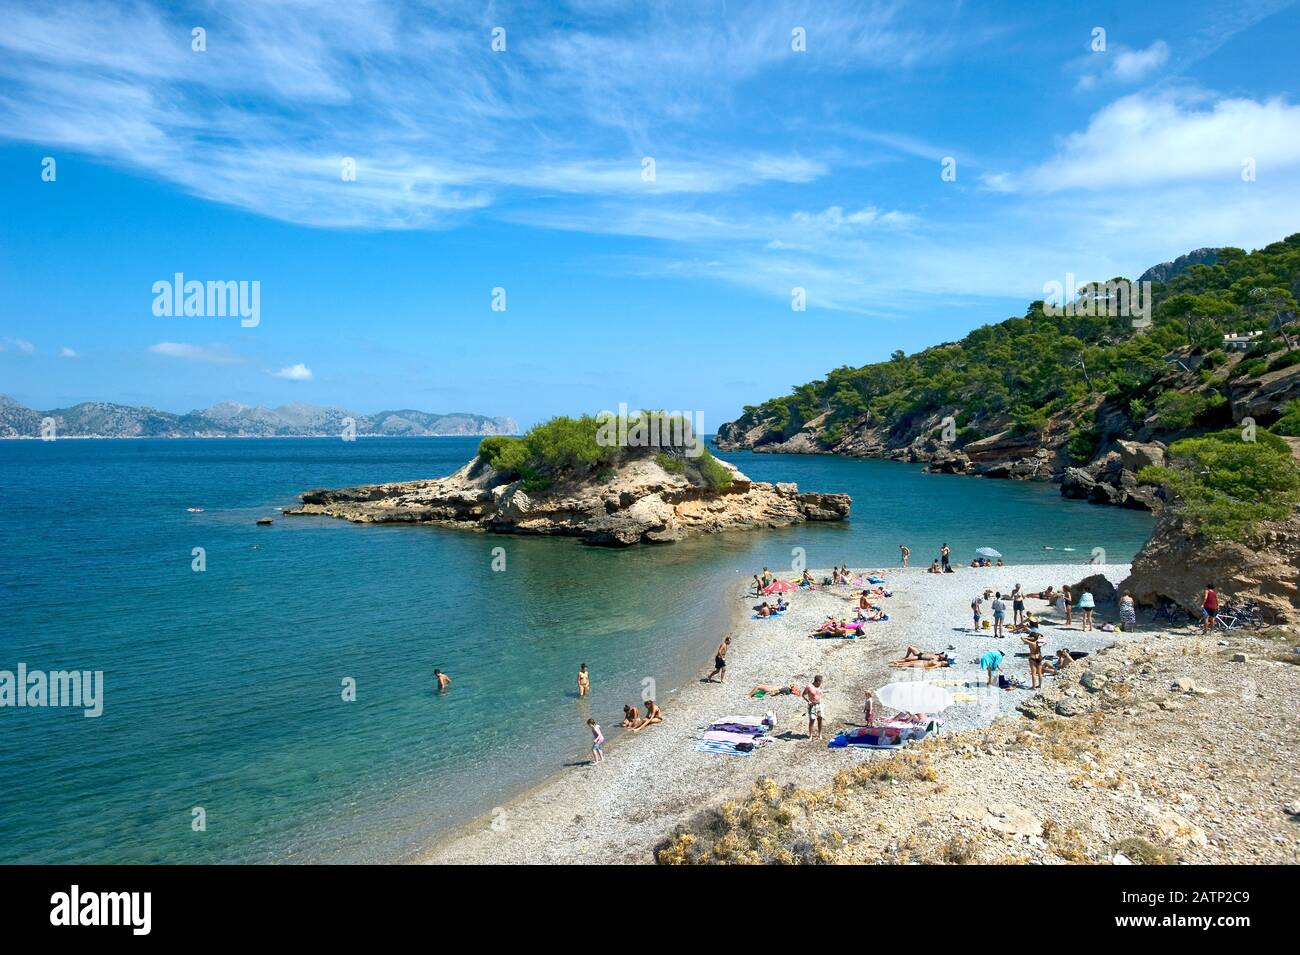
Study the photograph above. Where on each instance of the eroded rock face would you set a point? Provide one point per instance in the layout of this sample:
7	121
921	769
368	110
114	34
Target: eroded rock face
1177	565
640	503
1112	478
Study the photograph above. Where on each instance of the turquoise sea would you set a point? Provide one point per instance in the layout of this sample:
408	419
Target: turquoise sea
223	688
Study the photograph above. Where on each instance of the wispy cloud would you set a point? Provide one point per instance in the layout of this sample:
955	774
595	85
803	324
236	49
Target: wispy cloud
66	352
437	124
17	344
1121	65
215	354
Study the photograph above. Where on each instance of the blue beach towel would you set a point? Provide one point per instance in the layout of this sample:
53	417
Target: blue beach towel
720	748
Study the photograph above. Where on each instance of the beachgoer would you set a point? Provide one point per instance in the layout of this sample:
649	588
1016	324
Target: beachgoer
652	714
1035	659
1127	612
720	662
905	551
1063	658
812	695
1086	604
1017	604
758	586
761	690
597	743
934	568
631	717
869	708
990	661
1210	606
976	610
944	555
999	614
584	680
1066	600
444	681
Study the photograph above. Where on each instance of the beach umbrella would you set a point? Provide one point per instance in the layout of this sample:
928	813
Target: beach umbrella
987	552
915	697
779	587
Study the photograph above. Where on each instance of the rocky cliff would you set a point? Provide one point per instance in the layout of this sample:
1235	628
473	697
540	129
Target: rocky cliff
1108	476
635	501
1176	564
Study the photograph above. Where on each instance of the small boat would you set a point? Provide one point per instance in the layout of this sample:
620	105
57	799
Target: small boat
193	510
264	522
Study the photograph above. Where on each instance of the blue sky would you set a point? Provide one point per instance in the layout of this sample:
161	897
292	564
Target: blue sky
523	169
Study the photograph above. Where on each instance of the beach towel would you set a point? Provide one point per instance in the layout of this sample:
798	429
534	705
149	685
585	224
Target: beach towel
719	748
963	698
740	729
851	635
724	736
740	720
779	613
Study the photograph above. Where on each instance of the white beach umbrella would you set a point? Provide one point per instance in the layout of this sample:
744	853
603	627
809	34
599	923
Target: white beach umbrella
987	552
915	697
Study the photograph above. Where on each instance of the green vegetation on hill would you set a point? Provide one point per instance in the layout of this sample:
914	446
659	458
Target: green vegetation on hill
1223	485
572	448
1020	372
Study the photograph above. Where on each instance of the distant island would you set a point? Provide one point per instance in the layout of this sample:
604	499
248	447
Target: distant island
230	419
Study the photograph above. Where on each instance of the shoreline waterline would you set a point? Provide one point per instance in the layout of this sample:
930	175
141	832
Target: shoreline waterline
547	821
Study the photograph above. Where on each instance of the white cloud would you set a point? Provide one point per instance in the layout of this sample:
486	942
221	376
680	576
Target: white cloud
1144	140
17	344
214	354
298	372
66	352
1121	65
438	126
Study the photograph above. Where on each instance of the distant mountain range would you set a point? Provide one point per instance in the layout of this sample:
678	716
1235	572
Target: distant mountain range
230	419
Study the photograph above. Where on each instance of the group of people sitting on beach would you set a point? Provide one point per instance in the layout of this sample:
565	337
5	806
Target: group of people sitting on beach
766	609
635	720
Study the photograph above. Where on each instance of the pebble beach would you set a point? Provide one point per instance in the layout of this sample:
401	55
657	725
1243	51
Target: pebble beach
653	779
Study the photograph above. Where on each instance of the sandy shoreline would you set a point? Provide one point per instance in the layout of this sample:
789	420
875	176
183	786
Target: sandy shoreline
653	780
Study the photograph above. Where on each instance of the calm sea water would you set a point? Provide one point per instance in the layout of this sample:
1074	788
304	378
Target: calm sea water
223	689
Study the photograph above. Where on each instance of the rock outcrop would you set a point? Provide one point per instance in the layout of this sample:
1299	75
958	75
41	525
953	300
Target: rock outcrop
1112	478
1176	565
638	501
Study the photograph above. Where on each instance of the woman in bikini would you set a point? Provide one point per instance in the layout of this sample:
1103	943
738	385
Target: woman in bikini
767	689
1035	659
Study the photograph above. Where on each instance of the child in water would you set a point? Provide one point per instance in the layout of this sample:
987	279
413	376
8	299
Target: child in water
597	743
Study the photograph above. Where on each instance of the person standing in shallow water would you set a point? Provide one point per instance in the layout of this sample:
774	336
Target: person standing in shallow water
444	681
906	552
944	555
584	680
720	662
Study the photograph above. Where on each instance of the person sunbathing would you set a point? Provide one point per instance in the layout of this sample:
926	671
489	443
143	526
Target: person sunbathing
767	689
874	614
922	659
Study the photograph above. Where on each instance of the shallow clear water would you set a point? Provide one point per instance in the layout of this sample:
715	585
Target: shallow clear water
223	688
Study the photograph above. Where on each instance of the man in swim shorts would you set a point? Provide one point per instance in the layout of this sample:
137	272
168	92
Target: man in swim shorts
812	695
720	662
